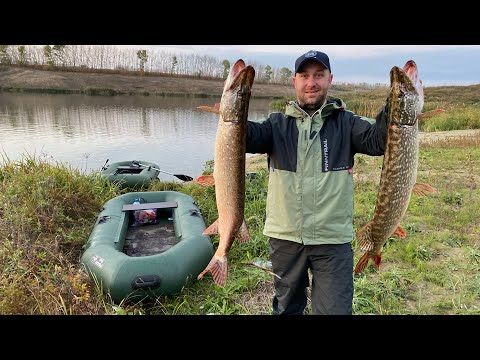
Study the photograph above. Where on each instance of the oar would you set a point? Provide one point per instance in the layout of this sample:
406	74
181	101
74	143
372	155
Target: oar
180	176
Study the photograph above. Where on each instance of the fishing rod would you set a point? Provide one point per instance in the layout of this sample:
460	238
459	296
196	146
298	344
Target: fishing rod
103	167
179	176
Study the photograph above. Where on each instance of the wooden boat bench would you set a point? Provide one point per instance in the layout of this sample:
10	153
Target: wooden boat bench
152	205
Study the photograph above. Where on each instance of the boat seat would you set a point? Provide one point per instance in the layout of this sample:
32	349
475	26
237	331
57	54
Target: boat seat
152	205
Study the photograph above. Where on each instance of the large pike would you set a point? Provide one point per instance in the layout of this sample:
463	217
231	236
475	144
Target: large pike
399	169
229	167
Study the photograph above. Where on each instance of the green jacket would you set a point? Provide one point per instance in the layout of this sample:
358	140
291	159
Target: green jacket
310	159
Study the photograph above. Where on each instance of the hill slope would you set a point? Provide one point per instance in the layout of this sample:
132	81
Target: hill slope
28	79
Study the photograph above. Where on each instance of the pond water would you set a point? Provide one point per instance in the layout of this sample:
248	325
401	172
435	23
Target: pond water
84	131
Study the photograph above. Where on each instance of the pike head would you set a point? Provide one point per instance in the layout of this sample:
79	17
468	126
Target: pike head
406	98
236	92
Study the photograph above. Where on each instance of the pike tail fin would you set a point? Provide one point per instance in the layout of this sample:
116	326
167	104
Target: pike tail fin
218	268
421	189
365	243
362	263
206	180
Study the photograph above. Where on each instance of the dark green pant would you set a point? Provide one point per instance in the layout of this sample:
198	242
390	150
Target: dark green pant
332	277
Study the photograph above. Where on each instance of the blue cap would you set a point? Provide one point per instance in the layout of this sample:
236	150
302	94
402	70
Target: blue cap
314	55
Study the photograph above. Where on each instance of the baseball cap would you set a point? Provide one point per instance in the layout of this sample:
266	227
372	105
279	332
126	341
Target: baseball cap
317	56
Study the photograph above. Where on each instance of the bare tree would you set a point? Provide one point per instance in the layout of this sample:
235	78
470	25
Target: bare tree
5	58
143	57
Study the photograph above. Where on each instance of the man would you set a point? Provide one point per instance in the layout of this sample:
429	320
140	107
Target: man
309	220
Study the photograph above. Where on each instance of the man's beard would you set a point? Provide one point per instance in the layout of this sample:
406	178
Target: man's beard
314	107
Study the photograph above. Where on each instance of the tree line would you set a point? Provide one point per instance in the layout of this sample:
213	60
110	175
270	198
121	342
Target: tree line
110	57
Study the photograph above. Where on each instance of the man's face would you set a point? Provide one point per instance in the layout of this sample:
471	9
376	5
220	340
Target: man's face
312	84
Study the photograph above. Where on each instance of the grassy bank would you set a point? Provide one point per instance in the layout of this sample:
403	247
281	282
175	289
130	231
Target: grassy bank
47	210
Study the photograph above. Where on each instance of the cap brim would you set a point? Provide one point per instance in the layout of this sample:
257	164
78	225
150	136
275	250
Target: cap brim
310	59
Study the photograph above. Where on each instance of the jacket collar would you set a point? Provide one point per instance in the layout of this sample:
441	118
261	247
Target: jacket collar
293	108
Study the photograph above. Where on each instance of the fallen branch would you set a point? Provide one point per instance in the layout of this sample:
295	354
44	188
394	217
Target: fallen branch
263	268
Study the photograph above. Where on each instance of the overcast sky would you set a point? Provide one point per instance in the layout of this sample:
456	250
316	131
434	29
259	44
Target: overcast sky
437	64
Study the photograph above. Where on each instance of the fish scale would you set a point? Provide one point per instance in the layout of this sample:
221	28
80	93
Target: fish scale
399	169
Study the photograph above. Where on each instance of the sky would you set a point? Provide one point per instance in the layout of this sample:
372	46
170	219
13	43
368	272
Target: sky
438	64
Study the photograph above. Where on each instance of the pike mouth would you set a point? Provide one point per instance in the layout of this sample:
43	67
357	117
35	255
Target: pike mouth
410	69
240	74
408	77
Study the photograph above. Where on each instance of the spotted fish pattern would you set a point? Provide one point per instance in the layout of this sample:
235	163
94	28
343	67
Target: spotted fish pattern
399	169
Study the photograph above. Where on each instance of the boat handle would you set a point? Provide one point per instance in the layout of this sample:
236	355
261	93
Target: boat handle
103	219
146	282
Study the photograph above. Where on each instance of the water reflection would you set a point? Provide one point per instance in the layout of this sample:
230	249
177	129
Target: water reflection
85	131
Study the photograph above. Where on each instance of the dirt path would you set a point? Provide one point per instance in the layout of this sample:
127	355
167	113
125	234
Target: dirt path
443	135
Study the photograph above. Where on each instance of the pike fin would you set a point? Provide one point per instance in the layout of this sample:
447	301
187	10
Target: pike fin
212	229
206	180
362	263
242	234
399	233
429	114
363	237
218	268
215	109
421	189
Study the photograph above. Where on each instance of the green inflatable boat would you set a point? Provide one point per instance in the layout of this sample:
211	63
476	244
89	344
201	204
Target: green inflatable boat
134	174
138	260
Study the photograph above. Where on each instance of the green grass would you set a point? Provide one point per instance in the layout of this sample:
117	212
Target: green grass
47	210
454	118
435	269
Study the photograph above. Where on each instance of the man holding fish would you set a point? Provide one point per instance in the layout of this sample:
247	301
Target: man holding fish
311	150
